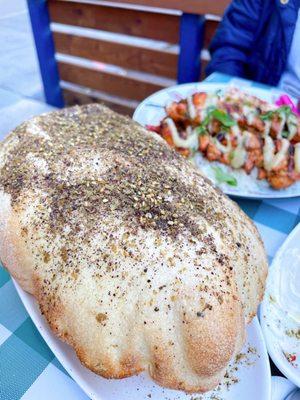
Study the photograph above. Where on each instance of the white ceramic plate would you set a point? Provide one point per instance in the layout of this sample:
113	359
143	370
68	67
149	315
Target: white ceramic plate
287	258
151	112
254	378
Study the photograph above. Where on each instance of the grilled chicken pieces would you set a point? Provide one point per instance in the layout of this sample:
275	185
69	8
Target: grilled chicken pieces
238	130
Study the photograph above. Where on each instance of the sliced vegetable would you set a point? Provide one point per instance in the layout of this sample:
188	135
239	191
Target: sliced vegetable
222	177
153	128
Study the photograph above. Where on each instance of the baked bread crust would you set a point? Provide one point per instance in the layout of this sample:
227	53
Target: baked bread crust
134	258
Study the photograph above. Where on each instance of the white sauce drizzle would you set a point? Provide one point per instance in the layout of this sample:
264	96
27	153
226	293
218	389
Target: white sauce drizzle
211	100
292	123
191	107
225	149
279	157
281	126
239	154
297	158
268	152
236	116
267	129
249	114
272	160
190	142
235	130
202	114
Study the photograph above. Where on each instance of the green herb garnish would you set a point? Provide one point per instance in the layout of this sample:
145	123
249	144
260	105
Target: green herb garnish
223	117
222	177
219	115
202	128
267	116
281	110
219	93
285	134
285	109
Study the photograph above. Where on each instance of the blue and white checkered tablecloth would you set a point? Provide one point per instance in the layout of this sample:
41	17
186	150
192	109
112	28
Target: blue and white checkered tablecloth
28	368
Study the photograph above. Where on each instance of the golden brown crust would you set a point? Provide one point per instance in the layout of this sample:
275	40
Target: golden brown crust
135	259
14	255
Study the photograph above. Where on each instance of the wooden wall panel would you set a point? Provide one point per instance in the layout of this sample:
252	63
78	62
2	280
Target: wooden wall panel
216	7
112	84
204	64
139	23
210	30
129	57
130	22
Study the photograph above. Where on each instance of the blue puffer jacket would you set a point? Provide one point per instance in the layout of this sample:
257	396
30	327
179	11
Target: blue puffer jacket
254	39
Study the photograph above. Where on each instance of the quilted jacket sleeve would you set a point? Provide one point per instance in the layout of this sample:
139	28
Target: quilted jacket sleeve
235	37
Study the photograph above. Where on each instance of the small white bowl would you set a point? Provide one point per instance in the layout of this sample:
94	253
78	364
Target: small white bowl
286	258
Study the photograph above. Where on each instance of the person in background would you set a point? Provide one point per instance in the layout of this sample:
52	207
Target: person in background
260	40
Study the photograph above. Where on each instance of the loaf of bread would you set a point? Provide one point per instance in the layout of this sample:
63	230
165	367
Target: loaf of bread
134	258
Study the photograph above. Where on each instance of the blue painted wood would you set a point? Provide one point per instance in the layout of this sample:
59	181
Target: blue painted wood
40	23
191	43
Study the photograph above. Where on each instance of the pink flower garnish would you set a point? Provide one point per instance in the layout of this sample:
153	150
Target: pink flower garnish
285	100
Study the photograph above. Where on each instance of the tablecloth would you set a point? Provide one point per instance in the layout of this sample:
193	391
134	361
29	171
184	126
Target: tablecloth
28	368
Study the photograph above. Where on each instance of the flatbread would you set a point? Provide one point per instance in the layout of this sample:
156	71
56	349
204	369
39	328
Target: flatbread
135	259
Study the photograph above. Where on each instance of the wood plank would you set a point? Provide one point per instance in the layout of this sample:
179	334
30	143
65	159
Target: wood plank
209	32
71	98
187	6
112	84
130	22
204	64
156	62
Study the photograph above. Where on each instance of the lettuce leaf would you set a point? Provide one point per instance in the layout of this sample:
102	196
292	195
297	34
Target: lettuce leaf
222	177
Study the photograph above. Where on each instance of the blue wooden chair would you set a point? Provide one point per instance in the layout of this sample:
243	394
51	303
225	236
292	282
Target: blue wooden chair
82	57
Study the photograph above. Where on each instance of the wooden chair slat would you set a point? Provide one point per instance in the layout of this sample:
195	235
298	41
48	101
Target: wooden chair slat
204	64
209	32
137	23
116	85
186	6
72	97
169	21
142	59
